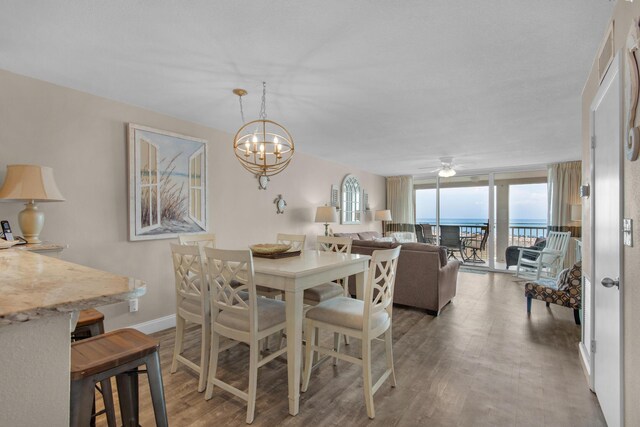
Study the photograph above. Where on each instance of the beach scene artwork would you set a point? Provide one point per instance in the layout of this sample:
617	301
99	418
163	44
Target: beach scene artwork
167	184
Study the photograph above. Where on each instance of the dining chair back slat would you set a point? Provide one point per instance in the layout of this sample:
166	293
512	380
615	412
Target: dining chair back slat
230	275
295	240
192	305
378	292
334	244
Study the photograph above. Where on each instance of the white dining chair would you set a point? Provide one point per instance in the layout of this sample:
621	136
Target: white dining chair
192	305
326	291
202	240
295	240
320	293
297	244
363	319
238	314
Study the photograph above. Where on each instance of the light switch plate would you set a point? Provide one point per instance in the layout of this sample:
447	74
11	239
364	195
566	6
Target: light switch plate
627	231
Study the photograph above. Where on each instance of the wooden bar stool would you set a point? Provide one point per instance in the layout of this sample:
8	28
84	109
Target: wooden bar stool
90	324
118	353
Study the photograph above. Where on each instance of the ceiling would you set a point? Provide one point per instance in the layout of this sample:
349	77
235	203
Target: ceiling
387	87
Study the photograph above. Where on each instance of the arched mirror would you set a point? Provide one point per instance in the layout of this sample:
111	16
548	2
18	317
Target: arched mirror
351	200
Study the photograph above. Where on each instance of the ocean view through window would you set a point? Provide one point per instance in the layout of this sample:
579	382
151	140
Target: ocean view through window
470	205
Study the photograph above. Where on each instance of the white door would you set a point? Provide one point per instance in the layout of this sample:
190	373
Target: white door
606	132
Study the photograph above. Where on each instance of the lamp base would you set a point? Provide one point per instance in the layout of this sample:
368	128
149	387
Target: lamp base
326	229
31	221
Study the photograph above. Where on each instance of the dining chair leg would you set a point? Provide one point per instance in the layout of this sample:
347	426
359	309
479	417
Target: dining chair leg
310	333
179	344
388	347
107	399
205	350
254	352
213	364
366	373
336	346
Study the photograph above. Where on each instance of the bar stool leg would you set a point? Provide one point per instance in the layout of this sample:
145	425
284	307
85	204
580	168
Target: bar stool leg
82	394
157	390
107	398
128	395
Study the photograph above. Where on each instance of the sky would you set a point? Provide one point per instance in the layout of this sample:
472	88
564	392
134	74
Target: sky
525	202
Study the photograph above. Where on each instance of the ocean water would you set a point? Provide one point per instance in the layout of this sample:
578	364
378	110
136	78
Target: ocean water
515	222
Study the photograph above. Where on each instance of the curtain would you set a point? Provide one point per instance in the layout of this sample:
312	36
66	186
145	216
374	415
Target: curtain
564	181
400	202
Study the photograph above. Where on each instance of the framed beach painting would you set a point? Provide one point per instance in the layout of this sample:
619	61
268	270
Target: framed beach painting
167	184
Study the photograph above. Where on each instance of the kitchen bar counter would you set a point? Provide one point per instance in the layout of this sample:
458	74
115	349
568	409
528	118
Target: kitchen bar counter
38	295
34	286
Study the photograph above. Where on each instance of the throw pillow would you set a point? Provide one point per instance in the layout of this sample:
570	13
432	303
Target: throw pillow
384	239
563	280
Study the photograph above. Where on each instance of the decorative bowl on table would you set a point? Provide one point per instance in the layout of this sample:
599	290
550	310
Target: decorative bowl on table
269	248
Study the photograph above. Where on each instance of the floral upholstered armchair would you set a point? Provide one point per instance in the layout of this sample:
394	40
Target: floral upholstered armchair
566	290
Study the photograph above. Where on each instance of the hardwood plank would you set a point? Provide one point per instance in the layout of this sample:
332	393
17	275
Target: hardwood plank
482	362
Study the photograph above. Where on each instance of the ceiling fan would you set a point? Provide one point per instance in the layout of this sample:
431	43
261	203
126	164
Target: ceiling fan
447	168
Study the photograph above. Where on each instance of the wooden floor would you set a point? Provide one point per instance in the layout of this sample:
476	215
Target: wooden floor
483	362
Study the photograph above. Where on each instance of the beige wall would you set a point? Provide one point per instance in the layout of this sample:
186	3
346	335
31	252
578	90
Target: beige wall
83	137
623	14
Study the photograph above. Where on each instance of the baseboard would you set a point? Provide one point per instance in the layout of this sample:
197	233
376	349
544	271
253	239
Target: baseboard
156	325
585	362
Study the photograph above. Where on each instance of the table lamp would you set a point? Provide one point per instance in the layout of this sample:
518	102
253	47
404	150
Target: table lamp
326	214
31	184
383	215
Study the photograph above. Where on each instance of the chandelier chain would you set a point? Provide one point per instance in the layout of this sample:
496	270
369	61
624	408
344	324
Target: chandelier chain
263	107
241	110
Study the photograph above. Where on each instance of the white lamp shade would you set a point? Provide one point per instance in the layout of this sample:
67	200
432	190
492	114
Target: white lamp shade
384	215
326	214
576	212
30	182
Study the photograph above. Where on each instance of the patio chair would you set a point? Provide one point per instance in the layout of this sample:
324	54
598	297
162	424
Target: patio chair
424	234
548	261
476	244
450	238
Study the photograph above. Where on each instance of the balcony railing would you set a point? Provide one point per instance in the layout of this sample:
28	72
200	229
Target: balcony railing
518	235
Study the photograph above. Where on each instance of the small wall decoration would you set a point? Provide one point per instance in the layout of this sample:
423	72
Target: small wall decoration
632	141
167	184
280	204
263	180
335	196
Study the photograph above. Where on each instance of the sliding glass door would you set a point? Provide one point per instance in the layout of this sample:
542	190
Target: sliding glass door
476	217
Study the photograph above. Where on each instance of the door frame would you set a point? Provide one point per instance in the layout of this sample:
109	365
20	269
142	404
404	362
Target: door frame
616	67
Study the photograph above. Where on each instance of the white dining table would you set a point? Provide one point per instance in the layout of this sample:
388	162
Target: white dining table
295	274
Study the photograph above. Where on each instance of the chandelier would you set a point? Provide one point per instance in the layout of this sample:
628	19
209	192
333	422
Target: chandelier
263	147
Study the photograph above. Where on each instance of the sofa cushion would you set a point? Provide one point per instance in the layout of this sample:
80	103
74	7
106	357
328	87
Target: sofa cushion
374	244
353	236
425	247
368	235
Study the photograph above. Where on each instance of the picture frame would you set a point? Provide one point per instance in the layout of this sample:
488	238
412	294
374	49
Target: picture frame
168	192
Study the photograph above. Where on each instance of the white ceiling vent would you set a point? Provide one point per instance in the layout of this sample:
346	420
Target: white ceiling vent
605	56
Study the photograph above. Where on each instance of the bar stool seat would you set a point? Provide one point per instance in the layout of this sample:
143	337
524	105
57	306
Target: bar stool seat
117	353
90	323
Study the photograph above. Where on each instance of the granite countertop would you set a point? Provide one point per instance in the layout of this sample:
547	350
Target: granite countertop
34	286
